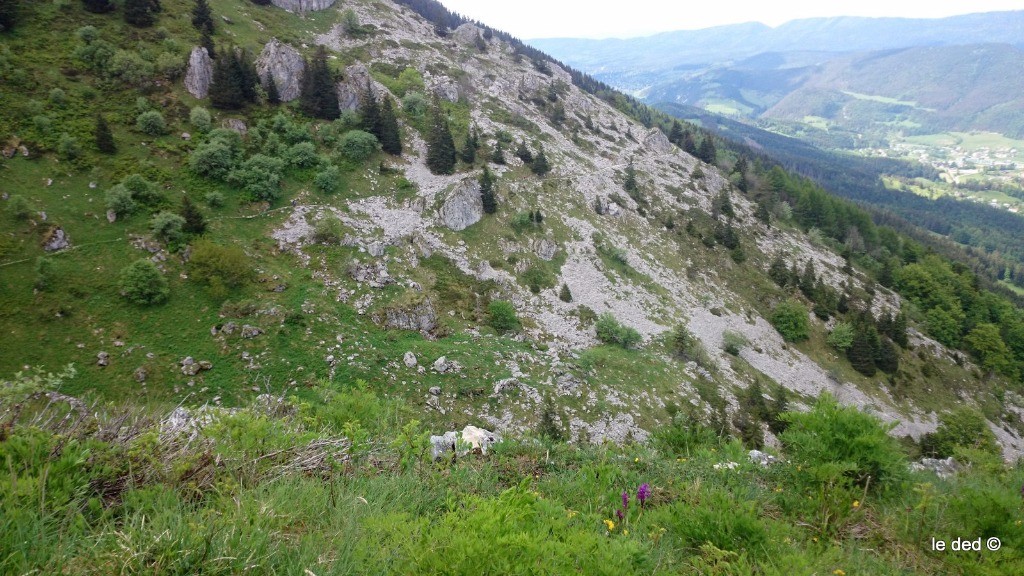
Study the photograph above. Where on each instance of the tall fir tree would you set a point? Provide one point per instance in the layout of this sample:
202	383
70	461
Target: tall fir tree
195	222
487	196
206	41
523	153
864	350
319	98
202	17
104	137
707	151
675	135
226	82
441	154
498	154
369	113
630	184
540	165
98	6
140	13
248	77
390	134
689	145
273	96
468	152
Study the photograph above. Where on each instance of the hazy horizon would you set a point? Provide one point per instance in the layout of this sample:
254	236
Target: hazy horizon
579	19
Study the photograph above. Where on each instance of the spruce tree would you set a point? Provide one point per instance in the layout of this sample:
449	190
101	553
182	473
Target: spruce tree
195	222
864	350
675	135
487	192
565	295
273	96
630	185
369	113
98	6
809	280
248	77
319	98
391	136
468	153
707	151
140	13
540	164
206	41
441	154
689	145
226	84
104	137
202	17
523	153
899	330
498	154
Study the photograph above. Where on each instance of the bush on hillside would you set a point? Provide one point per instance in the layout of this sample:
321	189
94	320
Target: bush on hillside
143	284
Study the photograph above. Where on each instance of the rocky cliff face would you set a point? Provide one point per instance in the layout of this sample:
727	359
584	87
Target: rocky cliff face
199	73
285	65
303	5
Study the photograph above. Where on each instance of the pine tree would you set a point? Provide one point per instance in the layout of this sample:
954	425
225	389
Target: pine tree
763	214
248	77
468	153
523	153
140	13
226	84
540	164
202	17
498	154
564	294
104	137
689	145
675	135
630	185
887	357
319	98
809	280
441	154
391	136
98	6
487	192
206	41
369	113
195	222
778	271
899	330
707	151
864	350
273	96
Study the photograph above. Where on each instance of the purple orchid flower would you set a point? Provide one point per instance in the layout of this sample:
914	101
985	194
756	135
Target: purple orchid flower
625	499
643	493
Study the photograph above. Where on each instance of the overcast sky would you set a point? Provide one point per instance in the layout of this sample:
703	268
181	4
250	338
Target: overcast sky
596	19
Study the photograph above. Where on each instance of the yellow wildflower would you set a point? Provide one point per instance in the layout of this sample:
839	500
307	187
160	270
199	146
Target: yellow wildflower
814	539
609	524
856	503
625	532
572	513
636	459
839	572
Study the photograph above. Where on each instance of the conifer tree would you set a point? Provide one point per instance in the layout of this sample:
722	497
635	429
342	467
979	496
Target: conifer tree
778	271
369	113
630	185
8	14
248	77
498	154
318	98
226	82
809	280
391	136
273	96
540	164
98	6
104	137
202	17
523	153
487	192
689	145
675	135
206	41
565	295
468	153
864	350
195	222
441	154
899	330
707	151
140	13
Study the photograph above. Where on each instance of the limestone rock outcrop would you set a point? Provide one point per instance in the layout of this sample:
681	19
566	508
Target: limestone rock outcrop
199	73
285	65
303	5
464	207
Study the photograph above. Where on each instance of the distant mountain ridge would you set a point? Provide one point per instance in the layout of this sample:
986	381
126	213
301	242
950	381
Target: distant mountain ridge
636	62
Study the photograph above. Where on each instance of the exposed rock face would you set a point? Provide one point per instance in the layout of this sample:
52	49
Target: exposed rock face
421	318
236	125
285	65
454	443
199	74
466	34
375	274
409	359
250	332
56	239
103	359
762	458
546	249
303	5
445	366
941	468
352	87
464	207
656	141
445	88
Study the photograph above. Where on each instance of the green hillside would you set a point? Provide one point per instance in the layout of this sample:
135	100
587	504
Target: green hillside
249	303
